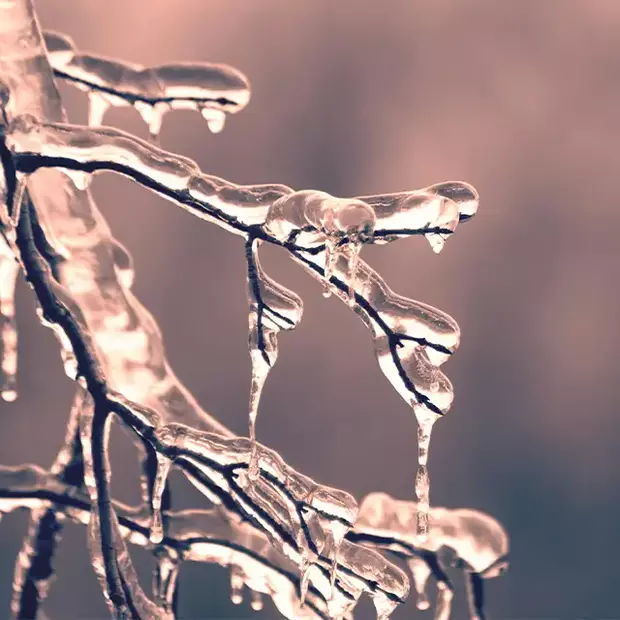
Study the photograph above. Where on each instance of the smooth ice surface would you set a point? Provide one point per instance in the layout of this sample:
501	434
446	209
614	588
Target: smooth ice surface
214	90
479	541
411	339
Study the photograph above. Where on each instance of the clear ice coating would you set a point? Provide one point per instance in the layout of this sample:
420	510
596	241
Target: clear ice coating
478	540
272	308
9	268
411	340
214	90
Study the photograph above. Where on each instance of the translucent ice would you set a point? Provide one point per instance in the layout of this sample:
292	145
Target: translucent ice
212	89
272	308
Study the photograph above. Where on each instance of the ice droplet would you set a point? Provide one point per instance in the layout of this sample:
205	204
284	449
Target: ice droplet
236	585
256	600
215	118
153	116
260	372
157	527
97	107
425	419
443	603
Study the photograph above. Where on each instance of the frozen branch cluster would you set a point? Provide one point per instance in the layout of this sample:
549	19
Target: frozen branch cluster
307	546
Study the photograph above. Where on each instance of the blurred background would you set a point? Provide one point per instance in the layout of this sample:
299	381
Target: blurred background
519	98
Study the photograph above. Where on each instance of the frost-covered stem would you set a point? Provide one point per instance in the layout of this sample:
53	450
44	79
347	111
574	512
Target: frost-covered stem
33	568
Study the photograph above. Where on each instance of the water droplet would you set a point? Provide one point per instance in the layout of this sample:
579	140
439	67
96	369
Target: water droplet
425	419
157	527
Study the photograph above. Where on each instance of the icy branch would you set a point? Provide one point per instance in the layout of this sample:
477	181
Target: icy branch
212	89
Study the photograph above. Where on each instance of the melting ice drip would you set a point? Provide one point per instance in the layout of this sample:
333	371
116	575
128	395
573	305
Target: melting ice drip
479	542
214	90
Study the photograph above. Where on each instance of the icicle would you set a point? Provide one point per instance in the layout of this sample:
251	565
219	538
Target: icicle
425	419
97	107
165	577
256	600
215	118
383	605
9	268
331	257
436	241
237	582
157	528
260	372
152	115
354	250
306	567
80	179
420	572
443	603
337	532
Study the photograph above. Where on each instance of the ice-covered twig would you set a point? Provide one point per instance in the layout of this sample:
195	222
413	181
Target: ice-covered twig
33	569
214	90
411	338
276	503
479	541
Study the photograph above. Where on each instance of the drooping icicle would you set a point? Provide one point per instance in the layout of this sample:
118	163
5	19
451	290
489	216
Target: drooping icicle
443	603
9	268
153	116
256	600
420	572
97	107
336	531
260	372
425	419
272	308
446	221
215	118
354	253
304	578
237	581
165	577
157	527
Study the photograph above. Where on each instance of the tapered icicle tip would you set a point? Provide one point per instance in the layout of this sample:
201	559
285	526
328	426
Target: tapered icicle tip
425	419
8	395
157	527
236	586
256	600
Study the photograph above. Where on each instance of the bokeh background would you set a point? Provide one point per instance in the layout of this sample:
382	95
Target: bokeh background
521	98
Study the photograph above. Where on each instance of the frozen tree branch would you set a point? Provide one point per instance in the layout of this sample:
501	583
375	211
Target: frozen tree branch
275	519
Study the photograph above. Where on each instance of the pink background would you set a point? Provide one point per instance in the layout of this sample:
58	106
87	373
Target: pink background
522	99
